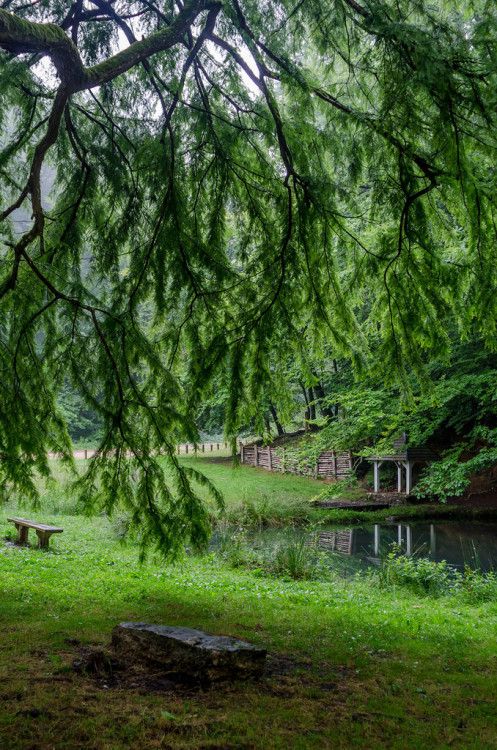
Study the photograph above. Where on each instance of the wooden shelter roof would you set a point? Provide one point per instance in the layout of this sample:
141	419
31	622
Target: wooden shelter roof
404	453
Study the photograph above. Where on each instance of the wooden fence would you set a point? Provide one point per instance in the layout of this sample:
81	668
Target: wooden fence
86	453
331	464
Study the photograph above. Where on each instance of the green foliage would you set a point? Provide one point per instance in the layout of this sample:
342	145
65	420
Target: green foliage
212	226
426	577
336	489
293	555
422	575
451	476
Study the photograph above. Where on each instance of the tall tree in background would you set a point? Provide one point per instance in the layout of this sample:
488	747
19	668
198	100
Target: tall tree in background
225	172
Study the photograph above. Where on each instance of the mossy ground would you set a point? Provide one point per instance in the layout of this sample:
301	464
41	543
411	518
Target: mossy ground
350	664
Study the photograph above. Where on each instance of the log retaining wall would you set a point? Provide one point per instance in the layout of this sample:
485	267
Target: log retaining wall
331	464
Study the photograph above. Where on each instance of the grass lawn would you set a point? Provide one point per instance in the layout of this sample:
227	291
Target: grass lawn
253	495
350	664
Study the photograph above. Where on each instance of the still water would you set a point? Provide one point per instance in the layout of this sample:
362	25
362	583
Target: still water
459	543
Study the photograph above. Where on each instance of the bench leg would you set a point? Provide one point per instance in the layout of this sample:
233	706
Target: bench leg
43	538
22	534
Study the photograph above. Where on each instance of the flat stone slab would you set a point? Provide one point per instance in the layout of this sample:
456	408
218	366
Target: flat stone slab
352	504
191	655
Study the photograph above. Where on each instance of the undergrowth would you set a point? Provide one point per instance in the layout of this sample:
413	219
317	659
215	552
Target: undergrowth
427	577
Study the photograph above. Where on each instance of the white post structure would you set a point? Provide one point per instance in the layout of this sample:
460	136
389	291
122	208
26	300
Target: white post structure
408	466
408	541
433	541
256	457
399	476
399	536
376	466
241	453
376	540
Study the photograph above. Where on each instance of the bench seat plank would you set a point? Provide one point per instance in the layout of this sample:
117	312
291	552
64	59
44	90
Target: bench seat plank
43	531
36	525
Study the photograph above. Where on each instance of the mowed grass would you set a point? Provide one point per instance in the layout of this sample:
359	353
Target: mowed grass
254	495
350	664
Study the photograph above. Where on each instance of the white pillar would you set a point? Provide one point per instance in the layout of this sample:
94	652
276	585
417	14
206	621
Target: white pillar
399	535
399	477
376	476
408	466
376	540
408	541
433	541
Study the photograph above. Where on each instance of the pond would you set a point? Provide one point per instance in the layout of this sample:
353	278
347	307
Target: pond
459	543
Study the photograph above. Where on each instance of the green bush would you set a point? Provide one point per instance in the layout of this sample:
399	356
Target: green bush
336	489
417	573
475	586
425	576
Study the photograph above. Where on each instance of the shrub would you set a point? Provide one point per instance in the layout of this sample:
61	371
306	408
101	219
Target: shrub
475	586
417	573
336	489
438	578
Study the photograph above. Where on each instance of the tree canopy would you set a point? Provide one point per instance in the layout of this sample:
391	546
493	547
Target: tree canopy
189	188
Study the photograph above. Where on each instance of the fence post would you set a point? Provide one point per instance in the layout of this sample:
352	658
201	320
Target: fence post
241	453
334	454
270	458
211	447
283	462
256	456
86	454
203	448
217	445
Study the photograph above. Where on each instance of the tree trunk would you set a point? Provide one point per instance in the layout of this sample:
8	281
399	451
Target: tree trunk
326	411
304	391
276	421
336	408
312	405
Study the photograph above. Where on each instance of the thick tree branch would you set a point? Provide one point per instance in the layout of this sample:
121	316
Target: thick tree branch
18	35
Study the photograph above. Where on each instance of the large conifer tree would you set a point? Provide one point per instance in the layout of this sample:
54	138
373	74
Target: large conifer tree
222	174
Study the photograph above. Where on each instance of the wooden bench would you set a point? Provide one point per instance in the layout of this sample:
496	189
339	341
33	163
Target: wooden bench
43	531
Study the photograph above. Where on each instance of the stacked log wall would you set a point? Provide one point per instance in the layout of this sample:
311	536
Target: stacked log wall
331	464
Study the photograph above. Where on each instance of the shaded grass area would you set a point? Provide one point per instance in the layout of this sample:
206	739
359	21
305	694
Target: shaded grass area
350	664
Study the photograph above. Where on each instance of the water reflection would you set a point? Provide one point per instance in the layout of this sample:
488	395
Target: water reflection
459	544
